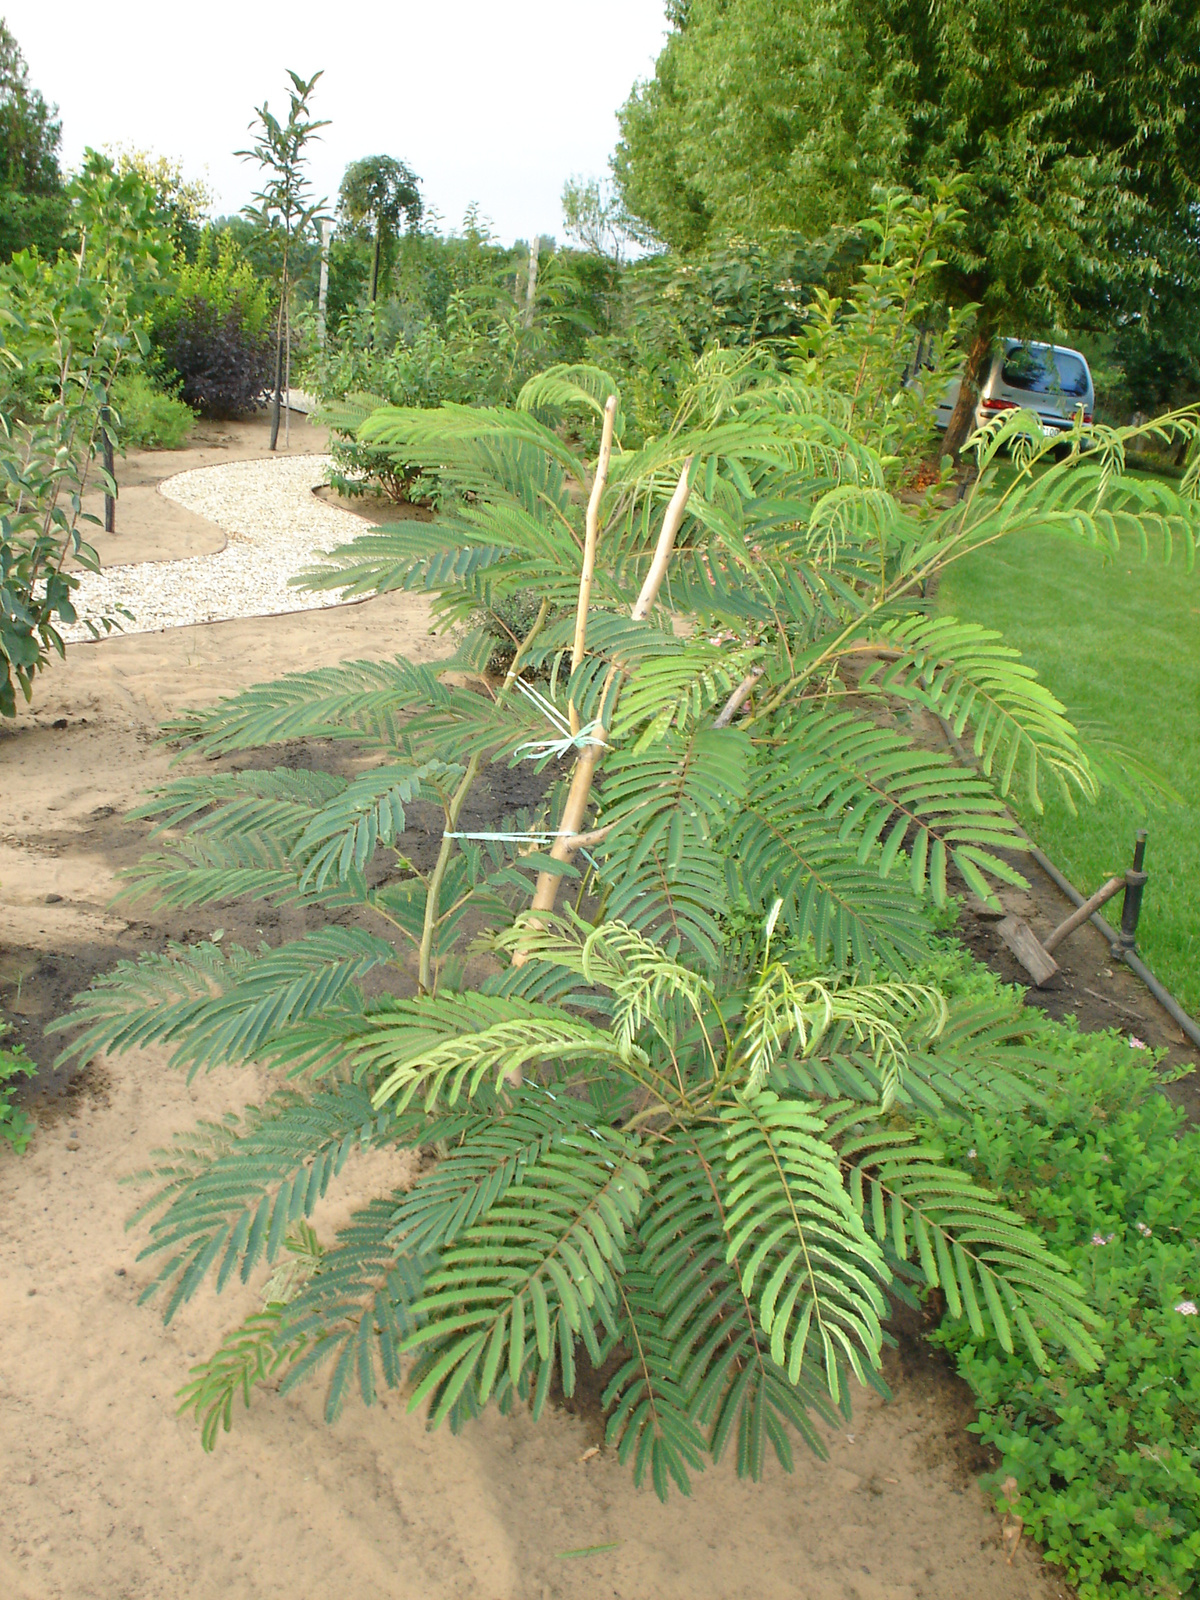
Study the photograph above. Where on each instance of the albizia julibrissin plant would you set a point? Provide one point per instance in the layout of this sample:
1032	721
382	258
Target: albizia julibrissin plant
671	1126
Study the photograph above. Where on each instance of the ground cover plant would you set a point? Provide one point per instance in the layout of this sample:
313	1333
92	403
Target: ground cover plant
674	1117
16	1125
1102	1466
1114	634
148	418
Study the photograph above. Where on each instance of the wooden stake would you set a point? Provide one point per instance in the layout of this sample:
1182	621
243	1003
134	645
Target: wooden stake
1083	912
106	448
1025	945
591	537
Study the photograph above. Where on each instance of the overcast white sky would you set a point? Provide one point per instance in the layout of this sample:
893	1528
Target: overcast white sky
488	101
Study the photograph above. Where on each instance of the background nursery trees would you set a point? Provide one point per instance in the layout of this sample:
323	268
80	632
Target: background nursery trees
33	201
72	329
1069	135
670	1030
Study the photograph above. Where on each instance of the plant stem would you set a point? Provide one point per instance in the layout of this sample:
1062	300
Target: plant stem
433	893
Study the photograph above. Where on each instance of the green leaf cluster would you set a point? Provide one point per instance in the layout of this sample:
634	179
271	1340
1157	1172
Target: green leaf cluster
673	1118
1103	1467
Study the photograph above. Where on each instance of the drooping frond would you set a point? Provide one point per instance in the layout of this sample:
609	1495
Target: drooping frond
228	1193
878	789
249	1354
986	1057
990	1265
700	1366
671	690
650	1421
537	1271
808	1263
449	1045
221	1005
493	1152
201	870
783	851
571	388
665	807
366	701
355	1311
474	448
964	673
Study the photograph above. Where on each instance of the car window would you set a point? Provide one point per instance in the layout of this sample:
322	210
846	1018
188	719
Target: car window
1026	368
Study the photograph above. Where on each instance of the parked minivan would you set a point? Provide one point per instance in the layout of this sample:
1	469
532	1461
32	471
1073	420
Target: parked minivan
1046	378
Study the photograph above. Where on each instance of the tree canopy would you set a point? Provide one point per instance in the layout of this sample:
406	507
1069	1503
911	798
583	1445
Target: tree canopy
33	206
1069	131
379	193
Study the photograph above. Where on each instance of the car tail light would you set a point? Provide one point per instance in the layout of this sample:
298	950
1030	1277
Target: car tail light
998	405
1087	416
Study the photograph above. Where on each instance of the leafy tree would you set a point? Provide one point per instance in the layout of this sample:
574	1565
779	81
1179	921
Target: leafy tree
71	329
184	201
379	193
1069	133
594	217
33	204
285	207
673	1116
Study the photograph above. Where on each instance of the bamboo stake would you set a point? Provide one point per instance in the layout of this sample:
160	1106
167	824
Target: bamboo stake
591	538
585	768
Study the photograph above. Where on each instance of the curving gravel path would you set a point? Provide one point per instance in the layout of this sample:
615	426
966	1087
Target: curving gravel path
275	525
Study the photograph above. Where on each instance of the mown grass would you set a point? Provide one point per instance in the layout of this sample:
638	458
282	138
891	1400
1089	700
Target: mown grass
1118	641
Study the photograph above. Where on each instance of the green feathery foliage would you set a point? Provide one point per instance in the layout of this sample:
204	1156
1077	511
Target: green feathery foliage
674	1123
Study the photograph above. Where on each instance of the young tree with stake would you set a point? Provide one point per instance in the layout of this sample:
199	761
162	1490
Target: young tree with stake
284	205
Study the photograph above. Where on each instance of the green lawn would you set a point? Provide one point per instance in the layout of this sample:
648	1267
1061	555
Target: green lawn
1119	643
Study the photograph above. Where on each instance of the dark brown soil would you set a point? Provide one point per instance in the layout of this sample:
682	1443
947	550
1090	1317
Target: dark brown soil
1098	991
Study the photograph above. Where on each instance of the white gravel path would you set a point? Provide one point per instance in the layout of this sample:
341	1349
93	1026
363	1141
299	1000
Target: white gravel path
275	525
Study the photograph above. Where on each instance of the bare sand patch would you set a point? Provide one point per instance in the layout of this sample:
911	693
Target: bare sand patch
107	1494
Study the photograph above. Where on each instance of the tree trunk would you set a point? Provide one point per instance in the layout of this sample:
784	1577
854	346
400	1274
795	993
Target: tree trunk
287	375
278	388
962	418
531	283
283	291
323	294
375	266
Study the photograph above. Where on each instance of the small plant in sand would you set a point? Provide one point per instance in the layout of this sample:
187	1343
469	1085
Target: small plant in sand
16	1126
665	1033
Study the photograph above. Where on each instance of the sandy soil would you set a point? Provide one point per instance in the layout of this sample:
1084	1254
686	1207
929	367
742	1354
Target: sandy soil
107	1494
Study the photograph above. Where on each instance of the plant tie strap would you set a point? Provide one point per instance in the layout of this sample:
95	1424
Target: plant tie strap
567	741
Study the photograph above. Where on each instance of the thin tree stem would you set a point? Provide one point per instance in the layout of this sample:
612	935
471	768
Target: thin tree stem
434	891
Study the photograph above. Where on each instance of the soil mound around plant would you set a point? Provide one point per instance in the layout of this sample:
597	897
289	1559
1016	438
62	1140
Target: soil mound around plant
107	1492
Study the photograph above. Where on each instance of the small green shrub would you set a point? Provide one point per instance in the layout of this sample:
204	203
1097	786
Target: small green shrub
149	419
213	335
1107	1466
15	1125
